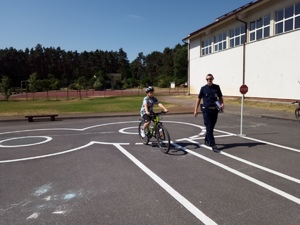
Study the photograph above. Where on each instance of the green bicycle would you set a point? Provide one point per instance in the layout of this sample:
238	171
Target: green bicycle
156	130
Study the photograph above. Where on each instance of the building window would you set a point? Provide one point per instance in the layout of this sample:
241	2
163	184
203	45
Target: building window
287	19
237	36
260	28
220	42
207	46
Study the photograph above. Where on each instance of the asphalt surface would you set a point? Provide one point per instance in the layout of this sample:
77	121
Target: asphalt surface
96	171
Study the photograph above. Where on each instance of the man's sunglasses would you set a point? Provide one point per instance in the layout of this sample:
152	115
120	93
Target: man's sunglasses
209	79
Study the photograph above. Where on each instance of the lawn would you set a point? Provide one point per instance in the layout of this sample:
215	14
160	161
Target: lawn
85	105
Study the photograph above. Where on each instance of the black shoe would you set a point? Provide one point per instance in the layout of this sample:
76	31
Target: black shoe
215	149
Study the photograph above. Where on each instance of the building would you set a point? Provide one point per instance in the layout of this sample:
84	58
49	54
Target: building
257	44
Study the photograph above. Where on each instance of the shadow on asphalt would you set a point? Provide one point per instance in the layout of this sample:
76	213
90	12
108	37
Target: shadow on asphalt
234	145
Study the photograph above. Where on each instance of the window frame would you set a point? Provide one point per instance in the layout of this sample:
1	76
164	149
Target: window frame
236	36
206	46
287	19
260	28
220	41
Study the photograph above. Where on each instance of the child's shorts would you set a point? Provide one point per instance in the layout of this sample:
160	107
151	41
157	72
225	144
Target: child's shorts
146	118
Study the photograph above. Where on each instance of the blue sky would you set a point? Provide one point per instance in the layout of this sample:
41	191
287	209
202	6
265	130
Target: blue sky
108	25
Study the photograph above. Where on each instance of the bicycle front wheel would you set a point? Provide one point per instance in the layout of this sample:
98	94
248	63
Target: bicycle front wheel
144	139
297	114
163	139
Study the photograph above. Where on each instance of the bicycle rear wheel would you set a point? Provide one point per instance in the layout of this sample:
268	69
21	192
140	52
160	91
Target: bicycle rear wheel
145	139
297	114
163	139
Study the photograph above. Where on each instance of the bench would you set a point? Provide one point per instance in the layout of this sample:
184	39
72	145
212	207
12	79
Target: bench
30	117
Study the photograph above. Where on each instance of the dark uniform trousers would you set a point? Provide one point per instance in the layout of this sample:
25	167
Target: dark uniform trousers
210	117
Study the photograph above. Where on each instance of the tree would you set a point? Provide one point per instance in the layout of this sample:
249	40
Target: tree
54	83
80	84
138	68
101	79
181	64
45	85
33	84
5	87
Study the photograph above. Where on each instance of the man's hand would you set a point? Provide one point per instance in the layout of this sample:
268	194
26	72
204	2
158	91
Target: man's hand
195	113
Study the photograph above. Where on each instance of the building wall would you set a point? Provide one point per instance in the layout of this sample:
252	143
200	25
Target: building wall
272	68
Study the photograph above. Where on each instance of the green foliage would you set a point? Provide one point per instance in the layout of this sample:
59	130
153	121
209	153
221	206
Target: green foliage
33	84
5	87
80	84
181	65
65	67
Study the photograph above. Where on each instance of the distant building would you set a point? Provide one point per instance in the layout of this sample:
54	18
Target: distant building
257	44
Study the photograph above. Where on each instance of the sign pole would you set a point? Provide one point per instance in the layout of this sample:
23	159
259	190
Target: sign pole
243	90
242	112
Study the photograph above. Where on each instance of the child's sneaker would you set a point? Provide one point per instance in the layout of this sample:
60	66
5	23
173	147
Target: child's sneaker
143	133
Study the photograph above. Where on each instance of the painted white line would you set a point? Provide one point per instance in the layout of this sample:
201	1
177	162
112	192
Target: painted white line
248	162
273	144
30	137
122	131
262	168
60	153
253	180
261	141
182	200
199	138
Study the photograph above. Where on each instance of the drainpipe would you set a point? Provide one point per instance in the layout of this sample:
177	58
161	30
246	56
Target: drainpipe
244	70
188	66
244	45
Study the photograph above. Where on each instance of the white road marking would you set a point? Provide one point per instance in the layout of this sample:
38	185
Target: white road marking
246	161
182	200
253	180
60	153
122	131
29	137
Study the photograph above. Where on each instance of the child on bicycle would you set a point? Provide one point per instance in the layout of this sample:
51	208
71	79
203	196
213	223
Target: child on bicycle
147	108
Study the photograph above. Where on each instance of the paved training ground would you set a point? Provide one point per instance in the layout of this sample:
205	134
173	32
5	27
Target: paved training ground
96	171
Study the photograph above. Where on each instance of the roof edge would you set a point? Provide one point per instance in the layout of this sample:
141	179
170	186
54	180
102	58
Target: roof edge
223	18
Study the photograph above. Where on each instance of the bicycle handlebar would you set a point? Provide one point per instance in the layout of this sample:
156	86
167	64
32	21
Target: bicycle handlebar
296	102
159	113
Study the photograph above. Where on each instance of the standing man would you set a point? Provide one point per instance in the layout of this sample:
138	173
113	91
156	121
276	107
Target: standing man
210	93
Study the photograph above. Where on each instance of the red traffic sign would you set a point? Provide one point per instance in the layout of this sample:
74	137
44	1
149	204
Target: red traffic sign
244	89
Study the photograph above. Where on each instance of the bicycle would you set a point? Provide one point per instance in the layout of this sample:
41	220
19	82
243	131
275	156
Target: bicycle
297	111
157	130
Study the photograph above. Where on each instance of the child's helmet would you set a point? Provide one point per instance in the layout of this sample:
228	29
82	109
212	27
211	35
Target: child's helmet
150	88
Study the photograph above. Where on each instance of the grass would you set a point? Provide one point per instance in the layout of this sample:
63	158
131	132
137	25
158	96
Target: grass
270	105
86	105
111	104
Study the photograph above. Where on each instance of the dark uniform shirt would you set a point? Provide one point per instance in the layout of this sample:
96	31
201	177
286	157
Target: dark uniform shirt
210	94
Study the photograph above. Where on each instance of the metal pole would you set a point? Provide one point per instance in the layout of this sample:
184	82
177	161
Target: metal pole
242	104
242	112
244	70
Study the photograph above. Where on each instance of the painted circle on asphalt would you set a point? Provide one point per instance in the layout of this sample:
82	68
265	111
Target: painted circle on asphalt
21	142
123	131
45	139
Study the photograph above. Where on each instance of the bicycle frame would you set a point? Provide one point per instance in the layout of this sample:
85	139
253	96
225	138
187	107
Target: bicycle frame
155	121
156	130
